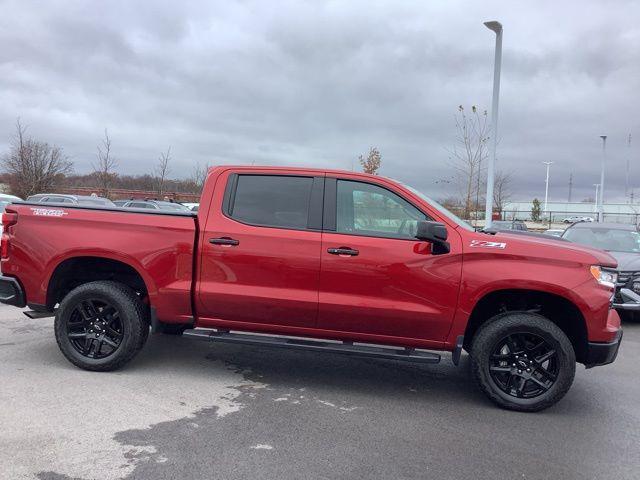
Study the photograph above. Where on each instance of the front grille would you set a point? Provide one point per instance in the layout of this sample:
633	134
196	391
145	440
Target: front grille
625	279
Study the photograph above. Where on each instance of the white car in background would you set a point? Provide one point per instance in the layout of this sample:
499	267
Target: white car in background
6	200
577	219
191	206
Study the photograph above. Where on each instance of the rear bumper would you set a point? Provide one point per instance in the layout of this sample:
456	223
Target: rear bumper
11	292
603	353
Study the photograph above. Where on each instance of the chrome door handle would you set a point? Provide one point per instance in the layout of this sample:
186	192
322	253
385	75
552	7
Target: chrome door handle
343	251
224	241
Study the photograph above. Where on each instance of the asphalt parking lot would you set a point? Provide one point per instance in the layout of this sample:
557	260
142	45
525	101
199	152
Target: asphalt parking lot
188	409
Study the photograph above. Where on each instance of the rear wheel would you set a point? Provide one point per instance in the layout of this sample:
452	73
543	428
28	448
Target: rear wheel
522	361
101	325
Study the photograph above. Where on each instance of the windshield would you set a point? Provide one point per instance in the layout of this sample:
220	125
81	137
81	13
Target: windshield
440	208
606	238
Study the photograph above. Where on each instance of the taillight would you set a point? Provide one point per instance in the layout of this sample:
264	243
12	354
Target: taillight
9	218
4	246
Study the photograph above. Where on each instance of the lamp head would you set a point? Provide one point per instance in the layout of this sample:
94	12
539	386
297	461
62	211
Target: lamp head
494	26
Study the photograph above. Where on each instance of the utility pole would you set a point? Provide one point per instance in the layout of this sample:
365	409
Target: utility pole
570	185
626	184
604	157
546	186
495	27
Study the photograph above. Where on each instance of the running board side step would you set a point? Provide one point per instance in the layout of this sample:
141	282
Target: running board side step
346	348
33	314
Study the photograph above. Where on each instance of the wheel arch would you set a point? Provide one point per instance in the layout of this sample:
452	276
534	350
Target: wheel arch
558	309
76	270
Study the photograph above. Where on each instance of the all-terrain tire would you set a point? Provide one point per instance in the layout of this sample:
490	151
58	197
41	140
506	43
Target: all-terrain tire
521	325
133	317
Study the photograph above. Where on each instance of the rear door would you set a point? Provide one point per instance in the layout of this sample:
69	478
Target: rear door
376	277
260	252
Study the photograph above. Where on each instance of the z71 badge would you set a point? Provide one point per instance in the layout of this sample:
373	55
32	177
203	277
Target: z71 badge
487	244
48	212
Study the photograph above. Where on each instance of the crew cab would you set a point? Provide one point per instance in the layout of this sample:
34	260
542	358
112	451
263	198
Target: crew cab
323	260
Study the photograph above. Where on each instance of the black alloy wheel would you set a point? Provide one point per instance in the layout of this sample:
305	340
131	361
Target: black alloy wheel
101	325
522	361
95	329
523	365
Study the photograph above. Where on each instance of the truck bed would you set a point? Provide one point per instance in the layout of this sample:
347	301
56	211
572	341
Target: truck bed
158	245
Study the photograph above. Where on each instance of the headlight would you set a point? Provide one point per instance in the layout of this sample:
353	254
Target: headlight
604	277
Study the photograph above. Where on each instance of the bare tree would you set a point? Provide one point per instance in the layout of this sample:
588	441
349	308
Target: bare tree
199	175
162	170
33	166
502	189
468	154
104	168
372	163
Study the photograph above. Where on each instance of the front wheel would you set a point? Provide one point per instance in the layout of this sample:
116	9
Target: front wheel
101	325
522	361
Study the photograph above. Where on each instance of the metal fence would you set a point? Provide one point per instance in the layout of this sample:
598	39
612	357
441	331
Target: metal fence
556	217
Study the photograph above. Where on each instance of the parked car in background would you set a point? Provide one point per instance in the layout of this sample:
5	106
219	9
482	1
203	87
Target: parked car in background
120	203
191	206
623	243
156	205
6	200
556	232
358	264
85	200
499	225
577	219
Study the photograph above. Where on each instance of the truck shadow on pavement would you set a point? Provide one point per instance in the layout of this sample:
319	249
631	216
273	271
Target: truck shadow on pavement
304	414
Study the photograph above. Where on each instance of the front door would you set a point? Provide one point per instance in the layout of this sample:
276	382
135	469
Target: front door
260	252
376	277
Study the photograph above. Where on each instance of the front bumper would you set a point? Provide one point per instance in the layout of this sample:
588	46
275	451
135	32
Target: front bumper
11	292
602	353
630	300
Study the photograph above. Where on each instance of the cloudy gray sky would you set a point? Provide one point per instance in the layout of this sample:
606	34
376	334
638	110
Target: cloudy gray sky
317	83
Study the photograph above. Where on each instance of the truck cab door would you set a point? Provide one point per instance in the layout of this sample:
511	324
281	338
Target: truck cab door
260	251
376	278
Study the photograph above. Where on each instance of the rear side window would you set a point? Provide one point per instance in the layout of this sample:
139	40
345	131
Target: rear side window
272	200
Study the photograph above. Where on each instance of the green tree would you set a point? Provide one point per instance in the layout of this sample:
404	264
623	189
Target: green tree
535	210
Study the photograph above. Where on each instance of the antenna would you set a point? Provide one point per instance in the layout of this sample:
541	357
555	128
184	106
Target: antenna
626	184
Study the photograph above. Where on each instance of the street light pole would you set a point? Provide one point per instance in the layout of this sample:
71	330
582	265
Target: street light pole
495	27
546	186
595	205
604	155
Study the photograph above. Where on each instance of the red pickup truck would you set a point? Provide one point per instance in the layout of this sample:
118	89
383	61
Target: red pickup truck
321	260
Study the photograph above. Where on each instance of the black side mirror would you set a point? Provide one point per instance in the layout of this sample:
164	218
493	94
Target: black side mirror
435	233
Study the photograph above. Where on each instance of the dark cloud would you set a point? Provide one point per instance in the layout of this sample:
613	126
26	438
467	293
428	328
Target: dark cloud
317	83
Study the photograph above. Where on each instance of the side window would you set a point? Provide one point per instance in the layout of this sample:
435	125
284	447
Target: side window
272	200
365	209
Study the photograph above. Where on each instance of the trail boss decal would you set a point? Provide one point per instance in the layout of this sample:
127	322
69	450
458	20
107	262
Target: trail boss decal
48	212
487	244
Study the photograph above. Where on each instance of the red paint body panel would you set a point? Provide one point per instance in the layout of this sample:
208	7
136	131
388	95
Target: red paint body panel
158	247
284	281
271	277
